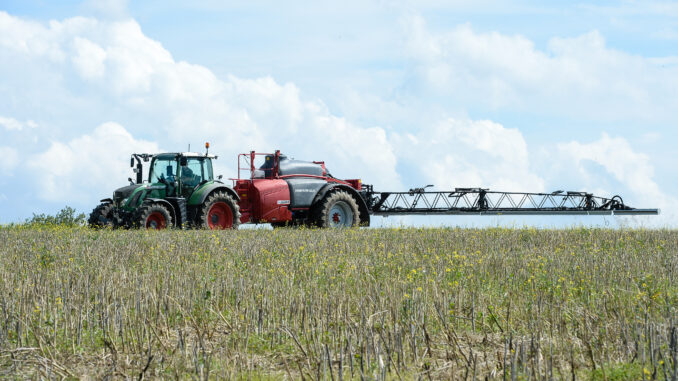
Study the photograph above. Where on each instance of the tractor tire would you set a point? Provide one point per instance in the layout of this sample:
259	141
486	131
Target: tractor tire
153	216
101	216
337	210
220	211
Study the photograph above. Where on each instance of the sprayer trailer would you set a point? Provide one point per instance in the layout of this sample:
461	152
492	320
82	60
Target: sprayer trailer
283	191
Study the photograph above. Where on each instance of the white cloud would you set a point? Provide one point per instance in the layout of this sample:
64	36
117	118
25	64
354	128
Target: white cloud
577	76
88	167
180	103
10	123
618	158
89	58
630	168
467	153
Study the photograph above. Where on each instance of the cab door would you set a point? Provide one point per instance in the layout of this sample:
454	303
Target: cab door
192	172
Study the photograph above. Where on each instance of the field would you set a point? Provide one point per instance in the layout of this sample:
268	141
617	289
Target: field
342	304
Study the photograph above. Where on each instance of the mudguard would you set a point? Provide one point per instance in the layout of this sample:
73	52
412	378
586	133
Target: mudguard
362	206
201	194
304	190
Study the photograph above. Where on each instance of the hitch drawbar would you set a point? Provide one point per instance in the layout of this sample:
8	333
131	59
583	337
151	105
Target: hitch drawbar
481	201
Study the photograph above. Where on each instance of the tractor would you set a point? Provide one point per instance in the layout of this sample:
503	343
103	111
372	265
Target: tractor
180	192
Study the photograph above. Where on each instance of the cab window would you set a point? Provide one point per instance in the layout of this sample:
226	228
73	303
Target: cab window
163	170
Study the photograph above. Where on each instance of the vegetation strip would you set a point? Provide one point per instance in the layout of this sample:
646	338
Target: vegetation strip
338	304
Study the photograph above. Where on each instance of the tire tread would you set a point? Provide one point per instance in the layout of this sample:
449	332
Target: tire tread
323	209
142	213
101	210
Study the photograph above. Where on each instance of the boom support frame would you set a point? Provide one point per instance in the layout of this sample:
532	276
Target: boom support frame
481	201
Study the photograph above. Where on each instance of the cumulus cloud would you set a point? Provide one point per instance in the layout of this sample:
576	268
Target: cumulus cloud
89	58
86	167
175	103
618	158
630	168
467	153
11	124
578	76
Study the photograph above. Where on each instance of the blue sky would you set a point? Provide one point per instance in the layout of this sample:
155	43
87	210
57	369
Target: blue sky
522	96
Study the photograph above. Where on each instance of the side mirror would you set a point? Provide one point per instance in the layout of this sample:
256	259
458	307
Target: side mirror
131	161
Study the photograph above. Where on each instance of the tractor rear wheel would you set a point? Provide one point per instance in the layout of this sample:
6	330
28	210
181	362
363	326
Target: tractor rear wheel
153	216
220	211
101	216
338	210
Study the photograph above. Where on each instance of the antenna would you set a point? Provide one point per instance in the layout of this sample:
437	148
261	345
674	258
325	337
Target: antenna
189	147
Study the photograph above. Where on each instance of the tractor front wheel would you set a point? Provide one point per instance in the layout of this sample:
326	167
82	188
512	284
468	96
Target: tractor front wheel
153	216
338	210
220	211
101	216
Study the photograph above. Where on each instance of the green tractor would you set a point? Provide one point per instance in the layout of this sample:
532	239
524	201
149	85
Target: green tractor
180	192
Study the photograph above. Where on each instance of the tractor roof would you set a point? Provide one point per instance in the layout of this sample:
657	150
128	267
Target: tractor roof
185	154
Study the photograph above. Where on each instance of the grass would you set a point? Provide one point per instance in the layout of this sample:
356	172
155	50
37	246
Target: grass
339	304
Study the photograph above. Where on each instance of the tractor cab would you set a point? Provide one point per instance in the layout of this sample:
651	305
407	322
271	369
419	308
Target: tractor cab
181	173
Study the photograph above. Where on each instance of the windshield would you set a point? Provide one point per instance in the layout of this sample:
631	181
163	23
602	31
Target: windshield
163	169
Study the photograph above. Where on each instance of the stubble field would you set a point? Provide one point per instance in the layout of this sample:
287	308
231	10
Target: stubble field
339	304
